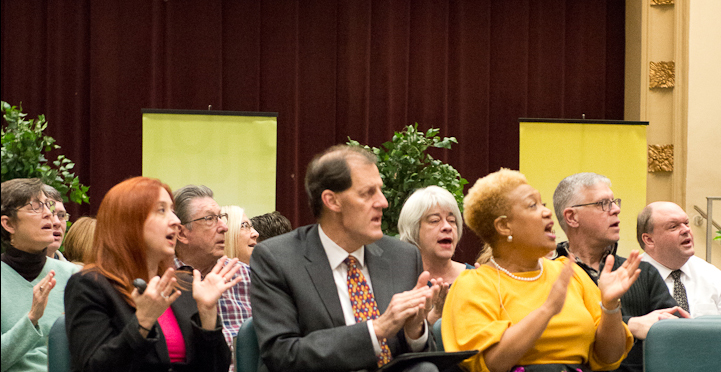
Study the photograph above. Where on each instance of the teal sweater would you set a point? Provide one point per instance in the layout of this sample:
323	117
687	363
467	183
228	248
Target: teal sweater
24	347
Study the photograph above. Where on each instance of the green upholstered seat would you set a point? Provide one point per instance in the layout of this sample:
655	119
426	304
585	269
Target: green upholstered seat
683	345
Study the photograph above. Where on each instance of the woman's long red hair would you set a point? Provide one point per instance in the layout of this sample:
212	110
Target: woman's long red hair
119	251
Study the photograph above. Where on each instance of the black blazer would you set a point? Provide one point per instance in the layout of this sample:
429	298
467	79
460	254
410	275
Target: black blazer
103	332
296	310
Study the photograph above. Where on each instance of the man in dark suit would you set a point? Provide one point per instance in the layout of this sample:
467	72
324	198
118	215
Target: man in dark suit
305	316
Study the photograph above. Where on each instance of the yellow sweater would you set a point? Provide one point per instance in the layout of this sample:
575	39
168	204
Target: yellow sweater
473	318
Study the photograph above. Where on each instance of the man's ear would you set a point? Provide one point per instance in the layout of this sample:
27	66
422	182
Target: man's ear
648	242
502	226
331	200
7	224
571	217
183	235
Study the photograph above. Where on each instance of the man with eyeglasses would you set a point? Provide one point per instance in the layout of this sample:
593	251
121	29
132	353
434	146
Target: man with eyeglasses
60	223
201	243
588	213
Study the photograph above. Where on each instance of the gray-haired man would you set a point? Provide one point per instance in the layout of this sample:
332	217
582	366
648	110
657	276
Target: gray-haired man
201	242
588	213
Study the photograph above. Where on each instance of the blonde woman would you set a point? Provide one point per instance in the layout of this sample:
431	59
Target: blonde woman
79	240
523	311
241	237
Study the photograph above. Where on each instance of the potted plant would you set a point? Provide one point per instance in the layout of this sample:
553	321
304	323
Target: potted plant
24	147
405	166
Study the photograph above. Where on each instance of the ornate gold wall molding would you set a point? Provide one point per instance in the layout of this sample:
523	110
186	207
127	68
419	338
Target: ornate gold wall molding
662	75
661	2
660	158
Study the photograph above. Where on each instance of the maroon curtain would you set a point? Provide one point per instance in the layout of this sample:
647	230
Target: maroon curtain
331	69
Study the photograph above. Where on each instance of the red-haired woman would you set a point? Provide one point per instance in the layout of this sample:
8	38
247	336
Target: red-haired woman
110	325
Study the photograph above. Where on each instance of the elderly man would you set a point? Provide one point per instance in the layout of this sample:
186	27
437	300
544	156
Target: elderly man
339	295
60	223
588	213
662	231
201	243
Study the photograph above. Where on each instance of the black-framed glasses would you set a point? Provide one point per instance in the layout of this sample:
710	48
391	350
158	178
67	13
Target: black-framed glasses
245	225
210	220
605	204
37	206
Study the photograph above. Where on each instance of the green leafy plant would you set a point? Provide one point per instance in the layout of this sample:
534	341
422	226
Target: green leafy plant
24	147
405	167
718	235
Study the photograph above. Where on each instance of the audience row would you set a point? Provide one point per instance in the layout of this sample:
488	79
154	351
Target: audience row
164	280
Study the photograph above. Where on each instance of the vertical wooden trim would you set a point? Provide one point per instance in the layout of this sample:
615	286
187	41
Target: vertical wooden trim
680	99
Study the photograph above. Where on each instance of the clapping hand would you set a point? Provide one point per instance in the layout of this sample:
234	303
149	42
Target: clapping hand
436	310
157	297
41	291
613	284
207	291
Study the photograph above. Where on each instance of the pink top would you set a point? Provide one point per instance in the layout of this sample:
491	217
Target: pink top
173	337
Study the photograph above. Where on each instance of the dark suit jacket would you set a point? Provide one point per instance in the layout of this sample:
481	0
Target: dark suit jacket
297	312
103	332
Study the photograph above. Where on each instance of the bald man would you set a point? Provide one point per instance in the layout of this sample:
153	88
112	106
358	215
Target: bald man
663	231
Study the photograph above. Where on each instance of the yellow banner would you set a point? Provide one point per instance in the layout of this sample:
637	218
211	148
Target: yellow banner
551	151
234	155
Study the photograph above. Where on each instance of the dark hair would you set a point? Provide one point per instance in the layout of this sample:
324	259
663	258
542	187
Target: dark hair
329	170
644	224
270	224
15	194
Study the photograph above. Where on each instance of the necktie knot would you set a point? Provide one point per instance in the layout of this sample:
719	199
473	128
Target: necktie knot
676	274
351	262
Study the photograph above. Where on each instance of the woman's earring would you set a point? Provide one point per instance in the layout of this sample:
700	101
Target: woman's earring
510	238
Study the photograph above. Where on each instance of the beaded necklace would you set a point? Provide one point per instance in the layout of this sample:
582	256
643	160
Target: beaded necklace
516	276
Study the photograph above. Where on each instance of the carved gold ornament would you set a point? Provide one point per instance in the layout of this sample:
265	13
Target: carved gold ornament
662	75
660	158
661	2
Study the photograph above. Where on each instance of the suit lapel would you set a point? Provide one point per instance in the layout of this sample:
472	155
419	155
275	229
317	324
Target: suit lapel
321	275
381	277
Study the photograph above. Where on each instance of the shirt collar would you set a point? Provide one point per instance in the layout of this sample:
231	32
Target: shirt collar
336	254
662	269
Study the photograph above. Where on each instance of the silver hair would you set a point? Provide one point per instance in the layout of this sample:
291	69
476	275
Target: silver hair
52	193
409	221
183	198
566	193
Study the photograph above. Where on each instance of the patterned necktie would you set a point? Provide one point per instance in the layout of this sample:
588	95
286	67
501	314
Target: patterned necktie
364	304
679	290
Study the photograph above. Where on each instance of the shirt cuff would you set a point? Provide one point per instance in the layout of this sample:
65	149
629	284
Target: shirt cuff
420	343
374	338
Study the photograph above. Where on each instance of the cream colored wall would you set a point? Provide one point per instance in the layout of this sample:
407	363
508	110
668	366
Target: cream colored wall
703	167
687	115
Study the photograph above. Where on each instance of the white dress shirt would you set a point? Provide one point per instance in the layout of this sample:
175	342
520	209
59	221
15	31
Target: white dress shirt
336	256
702	281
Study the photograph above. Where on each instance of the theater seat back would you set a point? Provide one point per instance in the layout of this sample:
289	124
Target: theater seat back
683	345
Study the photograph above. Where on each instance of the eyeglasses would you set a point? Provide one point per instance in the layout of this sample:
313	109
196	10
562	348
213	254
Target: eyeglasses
605	204
210	220
245	225
62	216
37	206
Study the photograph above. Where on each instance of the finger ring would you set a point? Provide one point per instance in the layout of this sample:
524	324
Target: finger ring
41	287
227	280
163	295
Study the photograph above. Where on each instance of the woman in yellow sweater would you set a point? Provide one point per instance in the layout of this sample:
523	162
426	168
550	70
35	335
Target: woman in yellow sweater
521	310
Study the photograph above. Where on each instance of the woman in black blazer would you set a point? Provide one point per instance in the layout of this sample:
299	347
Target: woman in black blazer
173	325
